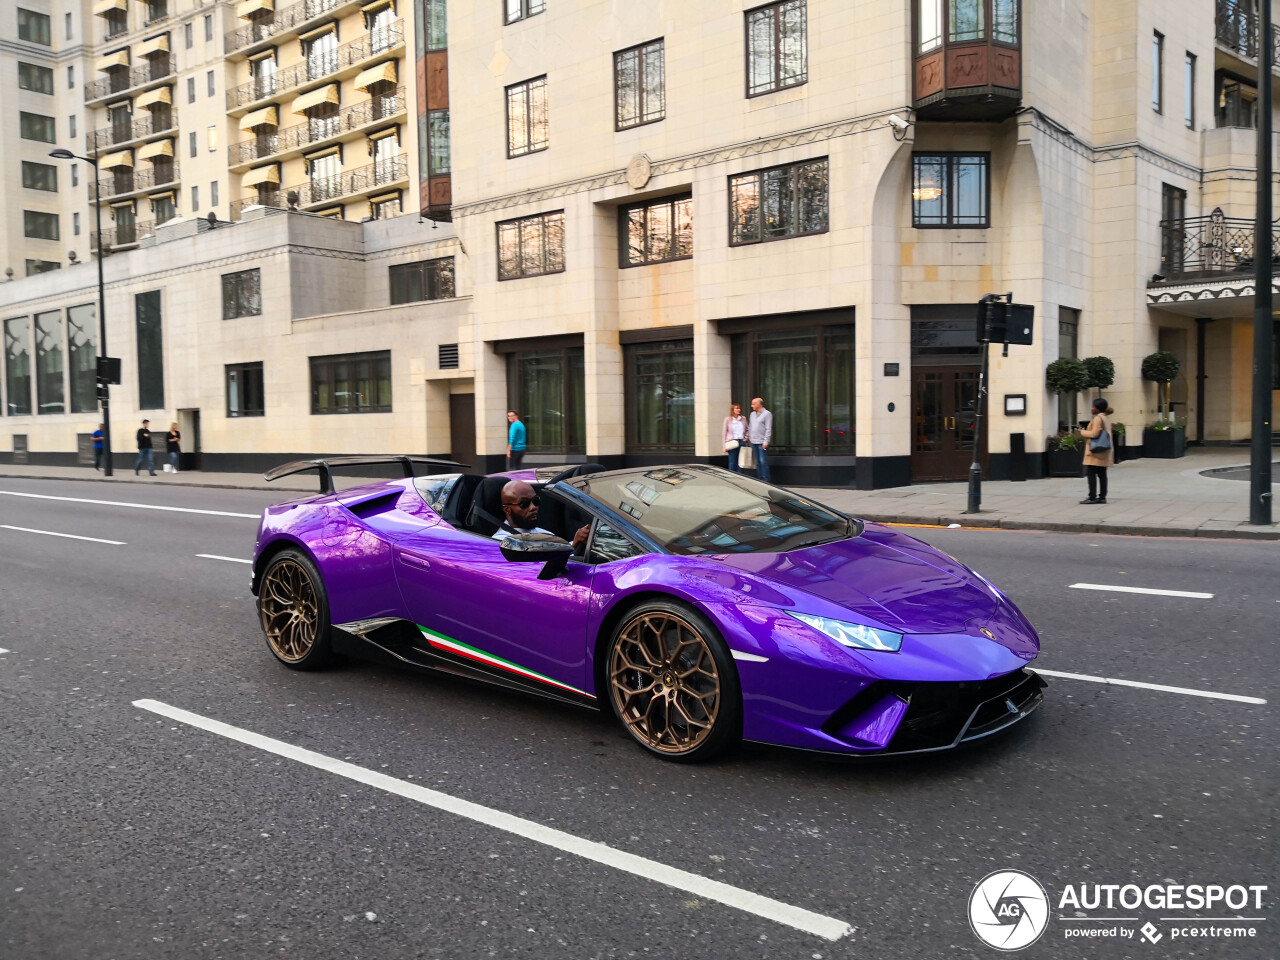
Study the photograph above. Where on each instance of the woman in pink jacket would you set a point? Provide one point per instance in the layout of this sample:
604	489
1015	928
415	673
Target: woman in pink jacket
735	435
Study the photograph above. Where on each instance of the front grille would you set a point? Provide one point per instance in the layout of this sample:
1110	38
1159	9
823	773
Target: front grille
937	711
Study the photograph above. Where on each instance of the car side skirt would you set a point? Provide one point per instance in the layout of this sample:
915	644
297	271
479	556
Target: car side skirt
399	642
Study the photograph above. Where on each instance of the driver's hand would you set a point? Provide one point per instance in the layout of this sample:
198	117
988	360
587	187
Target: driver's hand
580	538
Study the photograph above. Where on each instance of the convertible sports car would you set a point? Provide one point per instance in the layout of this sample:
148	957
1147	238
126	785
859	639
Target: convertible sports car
703	606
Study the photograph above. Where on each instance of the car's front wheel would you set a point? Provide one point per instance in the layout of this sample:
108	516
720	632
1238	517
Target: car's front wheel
294	611
673	684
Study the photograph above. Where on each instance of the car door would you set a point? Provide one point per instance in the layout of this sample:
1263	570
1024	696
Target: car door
477	605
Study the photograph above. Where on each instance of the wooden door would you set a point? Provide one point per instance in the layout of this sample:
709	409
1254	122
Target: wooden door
943	400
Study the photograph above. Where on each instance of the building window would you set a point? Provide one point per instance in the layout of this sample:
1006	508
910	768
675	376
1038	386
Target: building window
928	25
438	142
150	350
242	294
656	231
32	76
950	190
71	126
1237	103
778	202
33	27
75	224
82	357
351	383
1173	232
640	88
384	208
777	47
189	35
323	122
126	224
244	390
71	77
382	31
17	366
805	377
49	389
75	174
966	19
422	280
210	84
35	126
208	28
39	176
212	138
1189	91
437	25
527	117
549	392
522	9
157	10
163	208
39	225
193	144
68	25
42	266
195	199
659	395
1068	346
1157	72
213	194
263	70
117	23
325	176
321	54
531	246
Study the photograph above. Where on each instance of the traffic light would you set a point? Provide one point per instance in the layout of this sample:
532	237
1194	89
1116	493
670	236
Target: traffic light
108	369
1001	322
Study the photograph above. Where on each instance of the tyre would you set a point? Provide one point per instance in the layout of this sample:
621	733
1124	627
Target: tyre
294	611
673	684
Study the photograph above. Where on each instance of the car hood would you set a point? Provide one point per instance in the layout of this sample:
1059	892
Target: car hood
895	580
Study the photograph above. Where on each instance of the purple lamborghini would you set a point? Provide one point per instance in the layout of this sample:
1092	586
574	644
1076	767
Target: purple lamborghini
702	606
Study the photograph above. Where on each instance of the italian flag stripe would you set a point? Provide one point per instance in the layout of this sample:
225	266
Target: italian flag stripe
471	653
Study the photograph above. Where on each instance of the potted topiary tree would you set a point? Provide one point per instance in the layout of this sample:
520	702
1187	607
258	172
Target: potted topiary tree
1062	451
1102	374
1065	454
1166	437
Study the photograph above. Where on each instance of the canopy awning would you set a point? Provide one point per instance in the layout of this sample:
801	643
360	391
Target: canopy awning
153	97
305	102
112	60
157	148
121	158
104	7
247	8
149	48
266	117
383	71
260	175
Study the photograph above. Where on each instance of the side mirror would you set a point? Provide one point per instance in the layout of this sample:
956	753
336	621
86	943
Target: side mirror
552	552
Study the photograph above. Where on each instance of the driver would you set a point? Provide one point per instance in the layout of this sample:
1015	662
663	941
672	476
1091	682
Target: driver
520	508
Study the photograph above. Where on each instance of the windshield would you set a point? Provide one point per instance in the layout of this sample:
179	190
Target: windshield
690	510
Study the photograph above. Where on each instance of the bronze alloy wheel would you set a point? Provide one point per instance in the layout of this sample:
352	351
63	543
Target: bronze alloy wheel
290	610
665	683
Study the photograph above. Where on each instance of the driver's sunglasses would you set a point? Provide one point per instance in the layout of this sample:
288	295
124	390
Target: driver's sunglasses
524	502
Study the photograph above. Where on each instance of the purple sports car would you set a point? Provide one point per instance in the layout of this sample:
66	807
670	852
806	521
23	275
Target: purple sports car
703	606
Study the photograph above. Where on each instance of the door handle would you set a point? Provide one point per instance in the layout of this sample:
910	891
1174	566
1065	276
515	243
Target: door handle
413	561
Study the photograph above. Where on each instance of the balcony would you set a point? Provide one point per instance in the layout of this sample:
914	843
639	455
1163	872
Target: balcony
130	181
1208	248
1235	28
348	55
341	187
121	238
125	79
285	19
119	134
348	120
968	61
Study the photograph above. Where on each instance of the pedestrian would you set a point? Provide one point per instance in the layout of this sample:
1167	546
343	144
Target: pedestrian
1099	451
173	445
97	438
735	435
760	432
144	450
515	440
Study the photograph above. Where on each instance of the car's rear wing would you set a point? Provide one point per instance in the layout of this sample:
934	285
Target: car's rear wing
325	466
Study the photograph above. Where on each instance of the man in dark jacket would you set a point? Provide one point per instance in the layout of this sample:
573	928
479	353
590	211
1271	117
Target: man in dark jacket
144	450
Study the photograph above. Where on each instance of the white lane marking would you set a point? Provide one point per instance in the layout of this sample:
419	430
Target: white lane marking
3	650
214	556
135	506
69	536
783	913
1150	590
749	657
1153	686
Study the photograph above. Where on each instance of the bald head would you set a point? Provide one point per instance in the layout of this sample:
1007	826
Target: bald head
520	505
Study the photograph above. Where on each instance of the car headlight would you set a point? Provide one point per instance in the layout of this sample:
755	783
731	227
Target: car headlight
856	635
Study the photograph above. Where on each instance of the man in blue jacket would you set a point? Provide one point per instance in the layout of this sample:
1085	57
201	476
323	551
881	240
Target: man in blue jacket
515	440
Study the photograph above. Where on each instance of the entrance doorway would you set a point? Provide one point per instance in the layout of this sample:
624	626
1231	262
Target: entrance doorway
943	403
189	426
462	428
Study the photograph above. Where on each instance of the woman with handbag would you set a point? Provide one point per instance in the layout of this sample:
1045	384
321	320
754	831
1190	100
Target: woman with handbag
735	435
1099	451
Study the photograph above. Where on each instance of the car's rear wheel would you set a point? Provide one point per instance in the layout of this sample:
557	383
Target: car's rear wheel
673	684
294	611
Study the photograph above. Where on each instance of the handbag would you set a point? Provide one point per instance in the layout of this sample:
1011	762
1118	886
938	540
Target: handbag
732	445
1102	442
745	460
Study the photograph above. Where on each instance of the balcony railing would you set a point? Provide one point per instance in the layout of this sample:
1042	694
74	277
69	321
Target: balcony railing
123	236
349	54
1236	27
308	132
283	19
1204	247
117	81
323	190
131	181
155	121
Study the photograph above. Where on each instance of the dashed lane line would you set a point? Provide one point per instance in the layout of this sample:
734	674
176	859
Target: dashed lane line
1149	590
3	650
214	556
786	914
1238	698
134	506
69	536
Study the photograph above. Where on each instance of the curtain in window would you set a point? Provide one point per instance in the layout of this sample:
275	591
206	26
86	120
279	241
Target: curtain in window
787	381
542	397
49	390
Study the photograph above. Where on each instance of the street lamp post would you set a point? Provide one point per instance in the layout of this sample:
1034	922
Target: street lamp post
1260	445
104	387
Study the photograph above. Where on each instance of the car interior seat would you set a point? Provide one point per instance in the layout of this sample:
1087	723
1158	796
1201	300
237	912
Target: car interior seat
461	496
485	513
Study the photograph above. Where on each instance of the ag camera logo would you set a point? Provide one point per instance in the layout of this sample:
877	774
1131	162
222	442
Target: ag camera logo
1008	910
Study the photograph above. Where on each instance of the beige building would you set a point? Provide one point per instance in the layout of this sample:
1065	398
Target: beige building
659	209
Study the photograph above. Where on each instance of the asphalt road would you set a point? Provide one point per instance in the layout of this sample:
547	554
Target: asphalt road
126	834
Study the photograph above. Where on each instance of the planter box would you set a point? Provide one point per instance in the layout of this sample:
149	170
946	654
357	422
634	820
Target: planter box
1164	444
1065	463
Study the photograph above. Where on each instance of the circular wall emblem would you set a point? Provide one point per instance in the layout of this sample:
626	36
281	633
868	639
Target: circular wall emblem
638	171
1008	910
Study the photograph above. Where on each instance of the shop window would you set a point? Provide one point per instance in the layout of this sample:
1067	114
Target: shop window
659	396
150	337
549	391
244	390
351	383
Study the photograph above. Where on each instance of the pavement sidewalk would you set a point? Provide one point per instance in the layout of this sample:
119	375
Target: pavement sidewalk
1146	497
